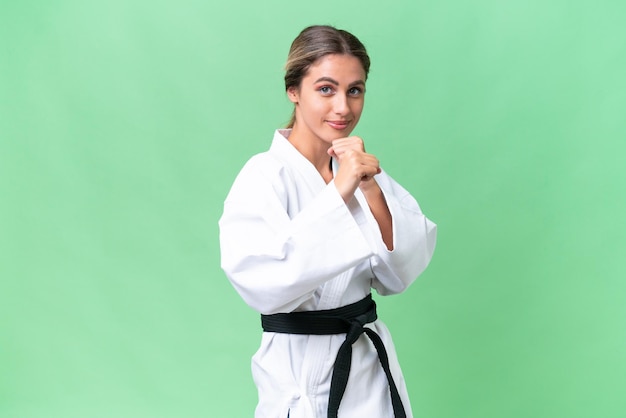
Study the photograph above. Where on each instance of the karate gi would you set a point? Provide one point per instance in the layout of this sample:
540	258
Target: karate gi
290	243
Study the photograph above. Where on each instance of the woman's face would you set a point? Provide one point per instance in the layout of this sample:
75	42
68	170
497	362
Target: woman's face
330	98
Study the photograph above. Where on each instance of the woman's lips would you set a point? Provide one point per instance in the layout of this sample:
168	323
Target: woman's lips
338	124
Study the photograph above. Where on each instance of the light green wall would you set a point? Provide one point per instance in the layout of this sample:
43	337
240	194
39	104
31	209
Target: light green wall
123	124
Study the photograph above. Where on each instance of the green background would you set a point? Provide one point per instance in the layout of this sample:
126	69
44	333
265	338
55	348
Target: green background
123	124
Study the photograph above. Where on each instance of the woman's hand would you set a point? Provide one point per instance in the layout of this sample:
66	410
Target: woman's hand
356	167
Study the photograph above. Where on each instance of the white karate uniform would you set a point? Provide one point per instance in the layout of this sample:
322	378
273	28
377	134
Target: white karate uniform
290	243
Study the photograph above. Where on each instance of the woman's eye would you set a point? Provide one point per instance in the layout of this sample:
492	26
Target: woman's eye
354	91
325	90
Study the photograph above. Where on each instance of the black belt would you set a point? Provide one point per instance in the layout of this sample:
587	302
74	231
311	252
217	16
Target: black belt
349	319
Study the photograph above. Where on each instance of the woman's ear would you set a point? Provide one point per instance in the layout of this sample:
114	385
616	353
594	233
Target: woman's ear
293	94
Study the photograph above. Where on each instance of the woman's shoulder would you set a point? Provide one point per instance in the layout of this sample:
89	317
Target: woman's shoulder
265	164
271	161
263	172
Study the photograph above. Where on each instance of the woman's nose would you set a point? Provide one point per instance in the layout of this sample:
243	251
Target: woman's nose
340	104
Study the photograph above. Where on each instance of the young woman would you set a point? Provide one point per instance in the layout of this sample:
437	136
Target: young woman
309	228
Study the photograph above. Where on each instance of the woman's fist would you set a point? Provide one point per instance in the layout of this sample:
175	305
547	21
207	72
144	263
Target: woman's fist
355	165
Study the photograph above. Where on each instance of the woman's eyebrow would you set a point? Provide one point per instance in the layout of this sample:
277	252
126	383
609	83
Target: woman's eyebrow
336	83
328	79
357	83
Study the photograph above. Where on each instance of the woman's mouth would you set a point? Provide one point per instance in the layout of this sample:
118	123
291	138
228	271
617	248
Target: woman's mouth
340	125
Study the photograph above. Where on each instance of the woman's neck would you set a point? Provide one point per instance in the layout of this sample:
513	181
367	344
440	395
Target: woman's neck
315	150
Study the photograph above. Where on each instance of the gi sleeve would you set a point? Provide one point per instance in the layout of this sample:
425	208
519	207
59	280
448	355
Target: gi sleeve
274	261
414	239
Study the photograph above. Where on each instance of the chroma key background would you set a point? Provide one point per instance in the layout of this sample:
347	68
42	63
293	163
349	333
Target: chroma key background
123	124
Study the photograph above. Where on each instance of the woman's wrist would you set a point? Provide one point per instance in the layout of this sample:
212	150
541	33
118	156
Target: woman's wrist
370	187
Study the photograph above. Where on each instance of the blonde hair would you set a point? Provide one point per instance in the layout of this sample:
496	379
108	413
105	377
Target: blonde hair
314	43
